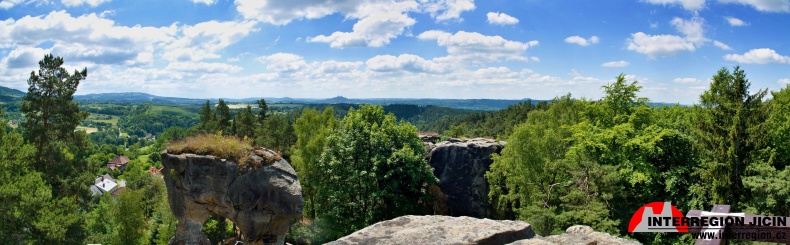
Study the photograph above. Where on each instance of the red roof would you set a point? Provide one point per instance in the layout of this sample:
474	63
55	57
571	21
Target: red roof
117	162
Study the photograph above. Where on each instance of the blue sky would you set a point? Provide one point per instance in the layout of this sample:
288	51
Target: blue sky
398	49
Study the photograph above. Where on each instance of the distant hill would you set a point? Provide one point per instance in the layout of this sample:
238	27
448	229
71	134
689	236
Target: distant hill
10	95
135	97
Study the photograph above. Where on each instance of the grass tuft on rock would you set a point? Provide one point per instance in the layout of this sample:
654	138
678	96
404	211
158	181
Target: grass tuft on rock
224	147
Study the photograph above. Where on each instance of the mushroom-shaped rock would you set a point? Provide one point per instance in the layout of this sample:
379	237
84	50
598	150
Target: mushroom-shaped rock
262	197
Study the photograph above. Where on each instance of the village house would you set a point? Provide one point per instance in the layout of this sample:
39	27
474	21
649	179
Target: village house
119	162
107	184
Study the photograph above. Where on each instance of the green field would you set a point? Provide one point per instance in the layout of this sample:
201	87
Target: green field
103	118
88	130
172	110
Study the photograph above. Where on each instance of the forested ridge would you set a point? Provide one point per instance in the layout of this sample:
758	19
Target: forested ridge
567	162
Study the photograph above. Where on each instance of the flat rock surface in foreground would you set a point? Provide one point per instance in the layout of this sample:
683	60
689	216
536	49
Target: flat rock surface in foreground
412	229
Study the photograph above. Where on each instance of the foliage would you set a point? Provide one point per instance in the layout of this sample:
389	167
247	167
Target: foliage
311	131
129	218
51	120
245	123
223	115
373	170
730	130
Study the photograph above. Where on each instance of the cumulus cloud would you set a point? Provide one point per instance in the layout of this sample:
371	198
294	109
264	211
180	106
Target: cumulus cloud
501	19
764	5
203	67
442	10
686	80
735	21
784	81
668	45
691	5
621	63
287	65
721	45
476	47
581	41
7	4
205	39
759	56
92	3
377	21
85	38
404	62
378	24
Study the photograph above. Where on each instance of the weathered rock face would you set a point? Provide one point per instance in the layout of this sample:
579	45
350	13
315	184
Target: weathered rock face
578	234
440	230
437	229
460	165
262	202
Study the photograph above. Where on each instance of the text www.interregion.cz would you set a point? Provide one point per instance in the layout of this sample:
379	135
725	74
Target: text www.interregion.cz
739	235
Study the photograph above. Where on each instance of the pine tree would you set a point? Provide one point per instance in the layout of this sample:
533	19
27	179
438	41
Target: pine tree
263	109
51	120
729	131
224	115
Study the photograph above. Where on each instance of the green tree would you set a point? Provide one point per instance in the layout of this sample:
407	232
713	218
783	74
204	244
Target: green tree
768	178
245	123
51	119
224	115
373	169
730	131
262	110
208	119
311	130
23	191
129	217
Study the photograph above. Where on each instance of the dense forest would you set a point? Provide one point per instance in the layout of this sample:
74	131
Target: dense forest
567	162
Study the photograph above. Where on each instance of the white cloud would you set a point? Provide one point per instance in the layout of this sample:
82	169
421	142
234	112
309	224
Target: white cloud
759	56
764	5
204	40
442	10
283	12
23	57
206	2
691	29
581	41
85	38
691	5
735	21
501	19
287	65
621	63
92	3
721	45
658	45
476	47
378	21
378	24
203	67
686	80
784	81
668	45
7	4
404	62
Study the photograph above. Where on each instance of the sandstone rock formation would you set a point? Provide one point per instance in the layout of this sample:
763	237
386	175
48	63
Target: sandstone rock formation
440	230
578	234
460	165
437	229
262	202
